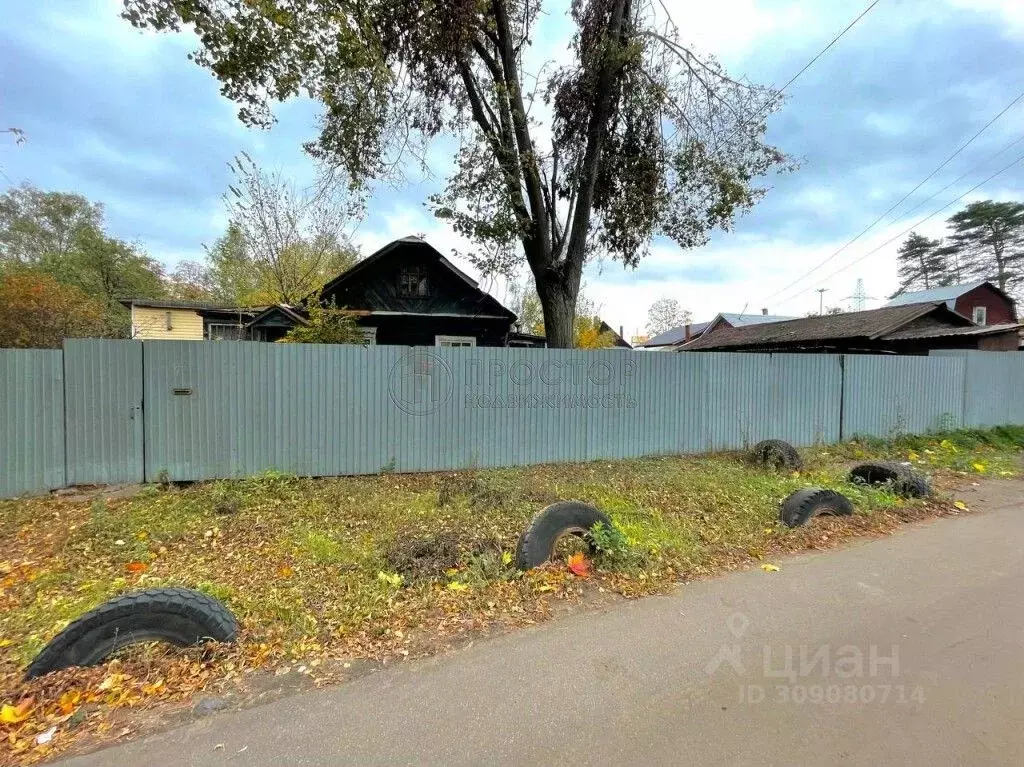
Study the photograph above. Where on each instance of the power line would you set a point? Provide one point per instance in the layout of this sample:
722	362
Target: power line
905	197
824	50
962	176
775	97
908	229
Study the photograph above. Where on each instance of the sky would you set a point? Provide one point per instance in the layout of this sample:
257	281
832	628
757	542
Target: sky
122	117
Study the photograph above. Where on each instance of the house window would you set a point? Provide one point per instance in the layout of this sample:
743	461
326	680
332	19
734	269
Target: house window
412	283
369	336
221	331
980	315
454	341
167	321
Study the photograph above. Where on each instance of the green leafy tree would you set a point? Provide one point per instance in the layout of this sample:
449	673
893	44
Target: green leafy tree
40	228
988	237
38	312
524	301
233	276
62	235
326	325
646	138
922	263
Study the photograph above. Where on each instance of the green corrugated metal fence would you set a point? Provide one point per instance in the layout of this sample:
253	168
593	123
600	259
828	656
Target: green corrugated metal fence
129	411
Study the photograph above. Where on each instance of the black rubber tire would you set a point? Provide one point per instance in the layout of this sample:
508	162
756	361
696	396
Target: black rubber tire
912	486
776	454
903	480
876	473
179	616
798	509
537	543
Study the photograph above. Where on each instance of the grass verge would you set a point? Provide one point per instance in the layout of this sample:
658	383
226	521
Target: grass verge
322	572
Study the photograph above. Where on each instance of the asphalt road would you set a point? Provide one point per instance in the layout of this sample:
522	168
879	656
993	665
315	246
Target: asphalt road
906	650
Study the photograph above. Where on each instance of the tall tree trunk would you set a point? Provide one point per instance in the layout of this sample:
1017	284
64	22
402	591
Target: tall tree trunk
558	300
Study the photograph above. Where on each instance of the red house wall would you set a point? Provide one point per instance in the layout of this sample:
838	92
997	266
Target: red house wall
1000	310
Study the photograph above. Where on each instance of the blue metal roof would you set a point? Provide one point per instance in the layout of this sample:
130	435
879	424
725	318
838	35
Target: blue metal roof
742	320
949	294
677	335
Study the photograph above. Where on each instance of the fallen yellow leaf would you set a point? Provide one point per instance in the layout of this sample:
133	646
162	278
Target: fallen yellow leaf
456	586
961	505
770	568
978	467
16	714
912	456
69	700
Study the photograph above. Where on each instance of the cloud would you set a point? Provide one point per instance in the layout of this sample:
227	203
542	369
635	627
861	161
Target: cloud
123	117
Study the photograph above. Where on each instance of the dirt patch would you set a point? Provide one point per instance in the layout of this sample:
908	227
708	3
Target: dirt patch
424	559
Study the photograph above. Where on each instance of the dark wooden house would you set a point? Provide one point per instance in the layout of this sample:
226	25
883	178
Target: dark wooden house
408	294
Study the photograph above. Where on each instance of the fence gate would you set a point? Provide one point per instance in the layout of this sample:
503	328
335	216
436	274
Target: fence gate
103	411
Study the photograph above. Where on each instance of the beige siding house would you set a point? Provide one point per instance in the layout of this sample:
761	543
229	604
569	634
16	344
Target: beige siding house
151	323
169	320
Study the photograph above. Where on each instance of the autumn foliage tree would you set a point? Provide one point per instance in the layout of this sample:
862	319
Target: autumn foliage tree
36	311
634	137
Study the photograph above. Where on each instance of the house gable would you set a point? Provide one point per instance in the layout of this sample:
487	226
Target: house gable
998	306
408	276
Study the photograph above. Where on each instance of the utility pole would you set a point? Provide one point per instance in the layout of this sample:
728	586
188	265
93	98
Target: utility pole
821	301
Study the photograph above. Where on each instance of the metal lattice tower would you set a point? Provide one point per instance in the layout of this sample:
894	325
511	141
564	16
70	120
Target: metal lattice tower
860	296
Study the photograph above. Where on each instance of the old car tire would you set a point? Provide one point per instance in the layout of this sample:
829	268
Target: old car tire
876	473
798	509
537	543
776	454
912	485
904	481
179	616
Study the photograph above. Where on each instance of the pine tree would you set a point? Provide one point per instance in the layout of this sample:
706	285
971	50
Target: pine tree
988	240
922	264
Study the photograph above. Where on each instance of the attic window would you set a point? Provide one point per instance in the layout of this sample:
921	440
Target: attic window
980	315
412	283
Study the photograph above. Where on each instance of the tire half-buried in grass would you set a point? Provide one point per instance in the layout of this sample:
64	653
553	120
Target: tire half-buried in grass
800	507
903	480
179	616
537	544
776	454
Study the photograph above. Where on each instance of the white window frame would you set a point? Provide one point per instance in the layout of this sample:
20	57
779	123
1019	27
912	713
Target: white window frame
369	336
232	325
455	341
979	315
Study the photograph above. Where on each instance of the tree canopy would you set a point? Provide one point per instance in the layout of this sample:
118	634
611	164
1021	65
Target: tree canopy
633	137
988	237
36	311
62	236
665	314
922	263
985	242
